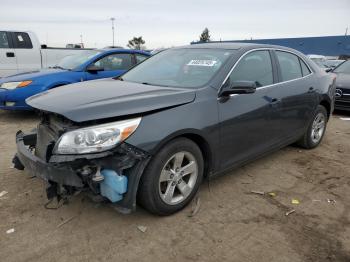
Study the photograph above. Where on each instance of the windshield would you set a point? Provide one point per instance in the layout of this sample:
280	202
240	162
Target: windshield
179	67
343	68
333	63
73	61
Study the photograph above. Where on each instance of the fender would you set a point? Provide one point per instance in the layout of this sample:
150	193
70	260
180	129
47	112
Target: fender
200	139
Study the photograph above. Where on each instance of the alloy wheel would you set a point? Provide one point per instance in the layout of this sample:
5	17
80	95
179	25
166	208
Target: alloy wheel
178	178
318	127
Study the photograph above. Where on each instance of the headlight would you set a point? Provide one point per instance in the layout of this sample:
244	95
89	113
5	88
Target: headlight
96	138
13	85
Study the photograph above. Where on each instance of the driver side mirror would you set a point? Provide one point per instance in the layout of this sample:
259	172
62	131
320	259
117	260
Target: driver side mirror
94	69
239	87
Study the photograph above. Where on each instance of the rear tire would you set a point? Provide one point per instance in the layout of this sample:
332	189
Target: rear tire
316	129
172	178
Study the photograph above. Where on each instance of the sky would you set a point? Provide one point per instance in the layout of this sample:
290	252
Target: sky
164	23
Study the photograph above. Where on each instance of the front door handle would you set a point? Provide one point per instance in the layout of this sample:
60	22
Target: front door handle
274	102
10	54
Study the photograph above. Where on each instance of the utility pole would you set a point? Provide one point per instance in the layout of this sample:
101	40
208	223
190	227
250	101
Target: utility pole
113	19
81	41
346	31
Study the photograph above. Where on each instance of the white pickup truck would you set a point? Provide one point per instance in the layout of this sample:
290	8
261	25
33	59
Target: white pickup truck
21	52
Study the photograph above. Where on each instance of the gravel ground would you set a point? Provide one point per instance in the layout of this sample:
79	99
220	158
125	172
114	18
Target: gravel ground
232	224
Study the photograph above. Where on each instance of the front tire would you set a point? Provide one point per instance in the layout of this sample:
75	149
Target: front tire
316	129
172	177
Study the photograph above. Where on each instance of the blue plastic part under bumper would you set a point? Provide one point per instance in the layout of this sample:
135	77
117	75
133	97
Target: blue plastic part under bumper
113	186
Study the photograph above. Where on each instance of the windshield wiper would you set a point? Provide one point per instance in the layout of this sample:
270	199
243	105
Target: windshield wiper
58	67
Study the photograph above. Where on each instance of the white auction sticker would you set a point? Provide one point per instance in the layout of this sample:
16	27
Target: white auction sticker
202	63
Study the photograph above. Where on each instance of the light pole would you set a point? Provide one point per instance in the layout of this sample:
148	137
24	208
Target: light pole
81	41
112	19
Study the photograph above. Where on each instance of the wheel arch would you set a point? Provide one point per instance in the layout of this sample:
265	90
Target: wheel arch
326	105
199	139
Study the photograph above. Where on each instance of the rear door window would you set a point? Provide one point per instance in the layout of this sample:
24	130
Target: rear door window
304	69
140	58
4	43
22	40
289	65
255	66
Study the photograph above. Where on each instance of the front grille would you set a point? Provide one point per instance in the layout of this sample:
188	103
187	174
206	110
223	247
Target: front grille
49	131
46	139
342	95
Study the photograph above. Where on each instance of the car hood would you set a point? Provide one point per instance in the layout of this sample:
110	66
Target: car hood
33	75
343	80
108	98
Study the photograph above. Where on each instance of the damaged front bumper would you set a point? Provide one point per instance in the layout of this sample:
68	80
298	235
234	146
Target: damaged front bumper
66	174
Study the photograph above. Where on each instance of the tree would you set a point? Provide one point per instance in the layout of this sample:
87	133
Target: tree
204	37
136	43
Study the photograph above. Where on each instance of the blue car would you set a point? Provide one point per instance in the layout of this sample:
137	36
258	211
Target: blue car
85	66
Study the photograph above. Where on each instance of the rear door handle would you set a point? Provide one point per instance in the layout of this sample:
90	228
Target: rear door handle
311	90
10	54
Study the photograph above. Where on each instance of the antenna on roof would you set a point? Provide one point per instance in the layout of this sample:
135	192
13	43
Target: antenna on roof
346	31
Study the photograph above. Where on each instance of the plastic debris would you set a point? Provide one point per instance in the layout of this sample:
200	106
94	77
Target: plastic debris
345	118
257	192
195	207
2	193
290	212
10	231
272	194
66	221
143	229
331	201
295	202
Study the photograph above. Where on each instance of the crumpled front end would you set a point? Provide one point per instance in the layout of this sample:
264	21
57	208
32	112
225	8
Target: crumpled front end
112	174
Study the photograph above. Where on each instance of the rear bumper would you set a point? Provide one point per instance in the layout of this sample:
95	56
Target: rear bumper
63	171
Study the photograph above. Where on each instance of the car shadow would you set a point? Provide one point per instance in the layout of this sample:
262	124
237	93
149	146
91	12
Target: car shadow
341	113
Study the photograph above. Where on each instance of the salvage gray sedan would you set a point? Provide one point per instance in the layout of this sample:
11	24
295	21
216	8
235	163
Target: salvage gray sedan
186	113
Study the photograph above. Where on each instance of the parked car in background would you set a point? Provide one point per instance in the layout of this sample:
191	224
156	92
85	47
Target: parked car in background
333	63
342	92
84	66
181	115
79	45
21	52
319	60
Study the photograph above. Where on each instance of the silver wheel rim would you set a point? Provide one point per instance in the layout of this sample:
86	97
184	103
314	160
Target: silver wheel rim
178	178
318	127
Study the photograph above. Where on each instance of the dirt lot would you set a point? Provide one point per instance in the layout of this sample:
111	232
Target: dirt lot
232	225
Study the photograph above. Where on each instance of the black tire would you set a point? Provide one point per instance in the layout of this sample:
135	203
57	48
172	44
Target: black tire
306	141
149	193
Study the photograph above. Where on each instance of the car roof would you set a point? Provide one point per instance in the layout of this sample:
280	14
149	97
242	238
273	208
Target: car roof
236	45
121	50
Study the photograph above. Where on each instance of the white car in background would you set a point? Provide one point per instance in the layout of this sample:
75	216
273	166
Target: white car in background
320	60
21	52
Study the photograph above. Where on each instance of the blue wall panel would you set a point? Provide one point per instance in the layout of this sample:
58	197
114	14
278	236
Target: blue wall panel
323	45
